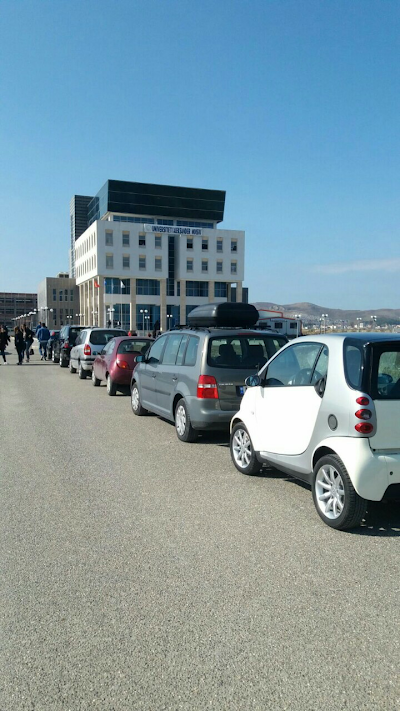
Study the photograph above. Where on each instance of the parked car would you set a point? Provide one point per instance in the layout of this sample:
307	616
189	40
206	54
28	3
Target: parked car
117	361
54	336
62	347
89	342
194	376
326	410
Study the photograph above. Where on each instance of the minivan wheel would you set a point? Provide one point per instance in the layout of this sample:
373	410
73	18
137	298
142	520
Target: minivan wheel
335	497
71	367
95	381
242	451
81	373
111	387
135	402
183	426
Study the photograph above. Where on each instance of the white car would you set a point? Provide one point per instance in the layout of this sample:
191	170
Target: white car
326	409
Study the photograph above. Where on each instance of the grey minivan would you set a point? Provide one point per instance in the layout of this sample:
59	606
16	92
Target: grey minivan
194	376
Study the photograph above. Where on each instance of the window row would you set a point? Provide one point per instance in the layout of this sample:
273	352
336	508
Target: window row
86	266
204	266
88	243
126	240
63	295
151	287
126	262
204	244
151	221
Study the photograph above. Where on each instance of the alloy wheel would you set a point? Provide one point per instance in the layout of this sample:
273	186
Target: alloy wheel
242	448
329	490
180	420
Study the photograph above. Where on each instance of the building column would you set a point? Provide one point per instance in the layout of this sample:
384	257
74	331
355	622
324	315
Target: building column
94	307
239	291
182	315
87	316
163	305
100	303
133	305
229	292
211	291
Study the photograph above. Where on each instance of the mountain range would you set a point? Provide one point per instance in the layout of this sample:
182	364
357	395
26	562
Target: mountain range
312	312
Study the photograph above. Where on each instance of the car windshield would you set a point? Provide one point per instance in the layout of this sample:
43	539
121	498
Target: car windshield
134	346
247	351
100	338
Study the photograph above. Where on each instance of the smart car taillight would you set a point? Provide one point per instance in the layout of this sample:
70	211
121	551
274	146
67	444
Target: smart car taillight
364	427
87	350
362	401
363	414
123	364
207	388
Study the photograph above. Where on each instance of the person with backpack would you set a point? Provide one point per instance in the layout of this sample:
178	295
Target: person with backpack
4	340
43	336
28	338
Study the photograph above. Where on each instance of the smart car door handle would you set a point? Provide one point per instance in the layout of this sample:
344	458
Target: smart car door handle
174	378
154	375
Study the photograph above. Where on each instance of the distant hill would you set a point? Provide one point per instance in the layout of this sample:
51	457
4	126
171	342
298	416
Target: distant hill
312	312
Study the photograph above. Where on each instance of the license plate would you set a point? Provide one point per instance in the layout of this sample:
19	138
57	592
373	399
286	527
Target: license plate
240	389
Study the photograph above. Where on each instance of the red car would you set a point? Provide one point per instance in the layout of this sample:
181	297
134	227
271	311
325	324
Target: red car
117	361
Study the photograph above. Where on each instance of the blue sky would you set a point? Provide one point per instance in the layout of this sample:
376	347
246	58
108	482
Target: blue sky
292	107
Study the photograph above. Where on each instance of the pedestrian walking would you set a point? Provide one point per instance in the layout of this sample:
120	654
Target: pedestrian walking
4	340
28	338
43	336
19	344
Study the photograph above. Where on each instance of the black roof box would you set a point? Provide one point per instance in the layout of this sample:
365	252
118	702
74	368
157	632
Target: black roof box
225	315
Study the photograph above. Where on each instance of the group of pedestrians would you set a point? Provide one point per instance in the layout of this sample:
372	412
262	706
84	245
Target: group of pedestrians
23	341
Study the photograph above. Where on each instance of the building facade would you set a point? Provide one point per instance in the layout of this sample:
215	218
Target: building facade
16	309
151	253
58	301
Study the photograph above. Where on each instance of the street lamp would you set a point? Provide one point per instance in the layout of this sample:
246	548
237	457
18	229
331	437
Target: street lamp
358	319
143	312
169	316
94	313
297	317
373	319
110	312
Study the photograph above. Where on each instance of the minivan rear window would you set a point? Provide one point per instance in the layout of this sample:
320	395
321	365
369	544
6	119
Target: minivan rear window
242	351
100	338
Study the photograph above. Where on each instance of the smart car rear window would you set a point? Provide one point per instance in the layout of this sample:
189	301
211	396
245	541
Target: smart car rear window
354	364
385	377
100	338
140	347
246	351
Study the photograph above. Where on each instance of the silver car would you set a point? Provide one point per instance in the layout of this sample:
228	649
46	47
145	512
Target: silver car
89	343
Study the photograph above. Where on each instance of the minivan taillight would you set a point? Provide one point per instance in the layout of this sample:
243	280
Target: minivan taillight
87	350
207	388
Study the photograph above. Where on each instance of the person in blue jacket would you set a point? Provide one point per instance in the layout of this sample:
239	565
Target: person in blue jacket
43	336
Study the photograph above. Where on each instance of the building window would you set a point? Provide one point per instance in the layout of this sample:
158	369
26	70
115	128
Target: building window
142	240
61	295
220	290
71	294
157	241
178	288
233	245
189	265
204	244
186	223
148	287
197	288
189	243
219	267
220	245
109	239
117	286
233	267
142	262
165	222
66	294
54	294
109	261
158	264
125	239
204	265
125	218
126	261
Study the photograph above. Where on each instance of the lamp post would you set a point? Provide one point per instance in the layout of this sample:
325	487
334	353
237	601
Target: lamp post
324	317
143	312
147	319
169	316
373	319
110	312
358	319
94	317
297	317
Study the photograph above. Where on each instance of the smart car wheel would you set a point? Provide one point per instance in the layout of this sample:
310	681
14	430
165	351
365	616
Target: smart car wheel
71	367
183	426
135	402
242	451
81	373
335	497
111	387
95	381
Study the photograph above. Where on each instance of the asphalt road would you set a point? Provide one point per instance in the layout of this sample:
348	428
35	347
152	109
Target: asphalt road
138	572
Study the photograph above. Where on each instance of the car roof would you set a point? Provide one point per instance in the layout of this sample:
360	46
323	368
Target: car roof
363	337
239	331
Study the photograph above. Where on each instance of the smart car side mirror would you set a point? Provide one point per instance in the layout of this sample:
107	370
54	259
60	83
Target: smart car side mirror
140	359
253	381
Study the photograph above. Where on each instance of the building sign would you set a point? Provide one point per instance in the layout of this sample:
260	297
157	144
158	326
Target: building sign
173	230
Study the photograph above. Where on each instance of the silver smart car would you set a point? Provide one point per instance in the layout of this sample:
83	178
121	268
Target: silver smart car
326	409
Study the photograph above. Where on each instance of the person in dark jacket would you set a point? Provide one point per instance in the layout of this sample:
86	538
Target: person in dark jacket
43	336
4	339
28	338
19	344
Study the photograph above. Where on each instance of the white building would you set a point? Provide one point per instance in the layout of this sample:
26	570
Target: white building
149	270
